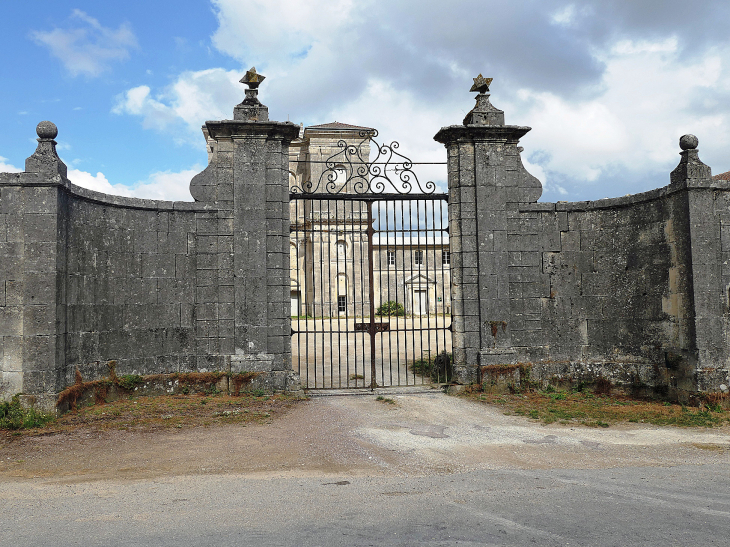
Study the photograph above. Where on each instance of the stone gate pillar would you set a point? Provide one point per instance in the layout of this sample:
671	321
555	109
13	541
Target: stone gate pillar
32	270
486	181
705	365
243	249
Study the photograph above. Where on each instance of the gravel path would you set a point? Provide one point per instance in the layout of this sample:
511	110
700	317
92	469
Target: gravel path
421	434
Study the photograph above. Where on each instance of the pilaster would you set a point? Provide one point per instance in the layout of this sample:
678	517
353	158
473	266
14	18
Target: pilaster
33	307
486	180
709	298
248	180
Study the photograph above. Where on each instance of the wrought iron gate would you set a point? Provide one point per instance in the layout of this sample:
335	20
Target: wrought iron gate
370	265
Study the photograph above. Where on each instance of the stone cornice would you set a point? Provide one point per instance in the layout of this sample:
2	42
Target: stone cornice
286	131
484	133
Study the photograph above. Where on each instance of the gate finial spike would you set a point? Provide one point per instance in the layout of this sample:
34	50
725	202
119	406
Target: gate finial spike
251	108
252	78
484	113
481	84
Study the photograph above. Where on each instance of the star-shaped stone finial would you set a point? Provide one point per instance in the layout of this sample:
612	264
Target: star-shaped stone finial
252	78
481	84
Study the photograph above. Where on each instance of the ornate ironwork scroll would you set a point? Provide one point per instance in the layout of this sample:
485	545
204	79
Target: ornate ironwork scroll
363	175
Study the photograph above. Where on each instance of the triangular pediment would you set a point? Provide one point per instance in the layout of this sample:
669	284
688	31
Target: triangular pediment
419	279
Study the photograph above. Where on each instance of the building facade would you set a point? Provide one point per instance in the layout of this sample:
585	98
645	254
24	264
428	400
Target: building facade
329	255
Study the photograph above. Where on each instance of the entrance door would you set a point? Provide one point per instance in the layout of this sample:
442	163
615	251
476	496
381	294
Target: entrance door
420	302
295	304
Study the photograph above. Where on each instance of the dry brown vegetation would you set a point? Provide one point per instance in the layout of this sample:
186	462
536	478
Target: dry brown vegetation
168	411
598	409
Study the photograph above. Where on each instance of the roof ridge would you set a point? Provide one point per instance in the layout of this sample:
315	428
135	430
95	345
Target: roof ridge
337	125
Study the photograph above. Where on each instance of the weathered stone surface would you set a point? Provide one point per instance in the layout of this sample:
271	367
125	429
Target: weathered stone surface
634	289
87	278
624	286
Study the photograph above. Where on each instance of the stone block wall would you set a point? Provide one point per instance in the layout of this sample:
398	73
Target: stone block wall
158	287
634	289
601	283
131	282
32	264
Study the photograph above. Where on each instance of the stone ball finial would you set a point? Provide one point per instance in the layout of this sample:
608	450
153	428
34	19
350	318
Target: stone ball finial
688	142
47	130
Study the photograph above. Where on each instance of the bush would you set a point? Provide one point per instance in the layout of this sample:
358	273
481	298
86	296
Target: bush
391	307
439	369
14	416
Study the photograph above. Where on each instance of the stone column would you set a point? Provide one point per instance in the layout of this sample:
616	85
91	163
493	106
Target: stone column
32	272
486	180
248	182
707	219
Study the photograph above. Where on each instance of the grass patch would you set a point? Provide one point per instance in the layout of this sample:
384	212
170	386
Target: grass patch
601	410
385	400
357	377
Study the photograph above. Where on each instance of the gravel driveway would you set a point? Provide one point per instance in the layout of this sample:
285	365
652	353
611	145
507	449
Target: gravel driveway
421	433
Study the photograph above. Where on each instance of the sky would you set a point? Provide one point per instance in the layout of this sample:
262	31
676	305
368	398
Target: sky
608	87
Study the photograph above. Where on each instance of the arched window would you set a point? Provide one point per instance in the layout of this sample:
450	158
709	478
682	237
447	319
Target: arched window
340	174
341	293
341	250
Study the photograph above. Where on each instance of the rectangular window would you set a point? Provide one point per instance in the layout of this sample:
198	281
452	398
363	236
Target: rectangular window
342	304
391	258
418	258
446	258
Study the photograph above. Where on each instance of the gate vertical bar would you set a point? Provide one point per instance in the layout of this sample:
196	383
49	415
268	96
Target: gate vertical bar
371	295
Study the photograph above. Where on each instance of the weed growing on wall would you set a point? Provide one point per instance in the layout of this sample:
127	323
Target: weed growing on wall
129	381
13	416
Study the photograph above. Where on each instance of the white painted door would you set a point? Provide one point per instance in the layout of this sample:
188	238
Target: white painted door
420	302
295	303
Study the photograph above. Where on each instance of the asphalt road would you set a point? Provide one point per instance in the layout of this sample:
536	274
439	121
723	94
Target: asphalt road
430	470
685	505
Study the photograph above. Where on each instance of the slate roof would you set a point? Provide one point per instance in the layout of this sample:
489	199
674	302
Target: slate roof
338	126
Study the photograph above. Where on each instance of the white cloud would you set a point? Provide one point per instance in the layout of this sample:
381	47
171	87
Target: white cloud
196	96
278	30
98	183
7	168
167	185
163	185
604	98
564	16
634	121
89	47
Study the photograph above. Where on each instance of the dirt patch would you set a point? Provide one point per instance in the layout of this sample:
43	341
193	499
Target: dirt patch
351	435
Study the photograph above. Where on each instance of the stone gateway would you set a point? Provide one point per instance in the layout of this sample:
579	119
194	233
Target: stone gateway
633	289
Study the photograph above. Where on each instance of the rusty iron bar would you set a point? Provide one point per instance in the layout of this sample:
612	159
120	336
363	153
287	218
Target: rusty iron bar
418	220
371	296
